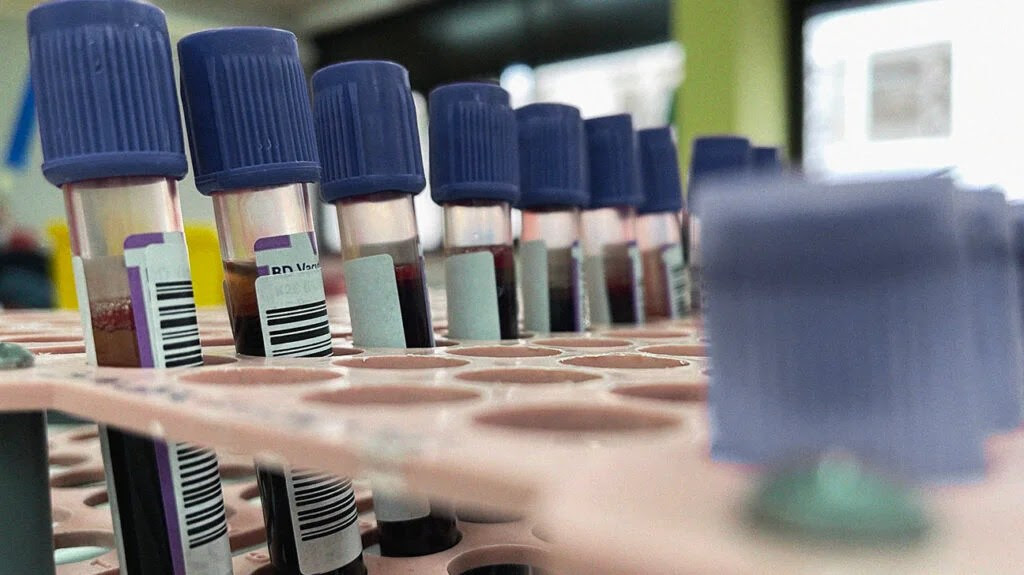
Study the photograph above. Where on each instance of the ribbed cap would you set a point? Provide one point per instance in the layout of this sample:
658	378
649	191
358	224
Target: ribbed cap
659	168
765	160
104	88
247	109
552	156
611	153
474	150
366	130
714	157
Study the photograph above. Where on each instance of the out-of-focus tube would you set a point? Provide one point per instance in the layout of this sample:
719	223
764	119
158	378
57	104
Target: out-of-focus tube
111	135
248	81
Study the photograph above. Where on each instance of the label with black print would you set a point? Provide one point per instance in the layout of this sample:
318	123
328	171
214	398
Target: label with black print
325	521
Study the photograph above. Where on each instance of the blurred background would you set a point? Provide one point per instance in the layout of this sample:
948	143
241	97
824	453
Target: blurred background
844	87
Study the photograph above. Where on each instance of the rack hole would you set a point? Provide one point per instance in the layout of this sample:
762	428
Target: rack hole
87	435
500	559
647	333
393	395
670	392
527	375
79	478
505	351
236	472
582	342
624	361
214	359
578	419
60	460
97	499
401	362
216	339
56	349
44	338
678	349
59	514
340	350
260	376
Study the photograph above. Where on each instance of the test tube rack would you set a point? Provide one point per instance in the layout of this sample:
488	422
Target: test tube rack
575	453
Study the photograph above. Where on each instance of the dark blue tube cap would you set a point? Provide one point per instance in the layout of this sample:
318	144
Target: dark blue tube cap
659	169
474	149
247	109
715	157
614	170
765	160
552	156
366	130
104	86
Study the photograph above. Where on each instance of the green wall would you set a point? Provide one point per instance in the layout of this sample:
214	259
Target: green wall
735	79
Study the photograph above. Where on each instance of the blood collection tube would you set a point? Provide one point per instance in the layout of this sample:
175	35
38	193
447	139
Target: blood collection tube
765	161
111	137
370	151
612	269
552	171
666	282
712	157
474	175
253	151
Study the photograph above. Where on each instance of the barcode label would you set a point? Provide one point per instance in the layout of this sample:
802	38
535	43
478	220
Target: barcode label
678	280
638	282
202	521
163	304
324	520
290	297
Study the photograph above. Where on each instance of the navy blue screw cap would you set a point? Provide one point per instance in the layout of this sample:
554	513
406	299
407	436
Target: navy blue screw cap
715	157
247	109
765	160
614	169
552	156
474	149
659	168
104	86
366	130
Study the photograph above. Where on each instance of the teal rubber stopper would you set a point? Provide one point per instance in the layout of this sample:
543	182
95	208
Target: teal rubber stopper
838	499
15	357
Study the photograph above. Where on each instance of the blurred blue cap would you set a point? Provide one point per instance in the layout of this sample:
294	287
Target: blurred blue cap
715	157
247	109
474	149
612	155
552	156
765	160
104	86
659	168
366	130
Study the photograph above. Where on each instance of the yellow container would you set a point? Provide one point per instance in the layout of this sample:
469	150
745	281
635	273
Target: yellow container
203	254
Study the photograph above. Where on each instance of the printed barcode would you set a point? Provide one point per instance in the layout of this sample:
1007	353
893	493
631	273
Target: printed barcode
179	329
205	520
324	505
299	331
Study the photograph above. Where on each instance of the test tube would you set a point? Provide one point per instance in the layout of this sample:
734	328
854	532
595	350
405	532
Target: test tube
253	151
474	175
659	236
552	168
370	150
111	138
712	157
612	269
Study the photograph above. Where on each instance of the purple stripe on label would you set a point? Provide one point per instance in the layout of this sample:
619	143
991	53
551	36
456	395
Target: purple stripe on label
312	243
167	484
263	271
272	243
143	240
137	291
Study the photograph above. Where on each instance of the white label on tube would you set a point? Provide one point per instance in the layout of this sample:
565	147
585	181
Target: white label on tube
324	520
636	263
202	523
597	290
577	284
82	292
677	280
290	297
163	305
391	503
533	257
472	296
